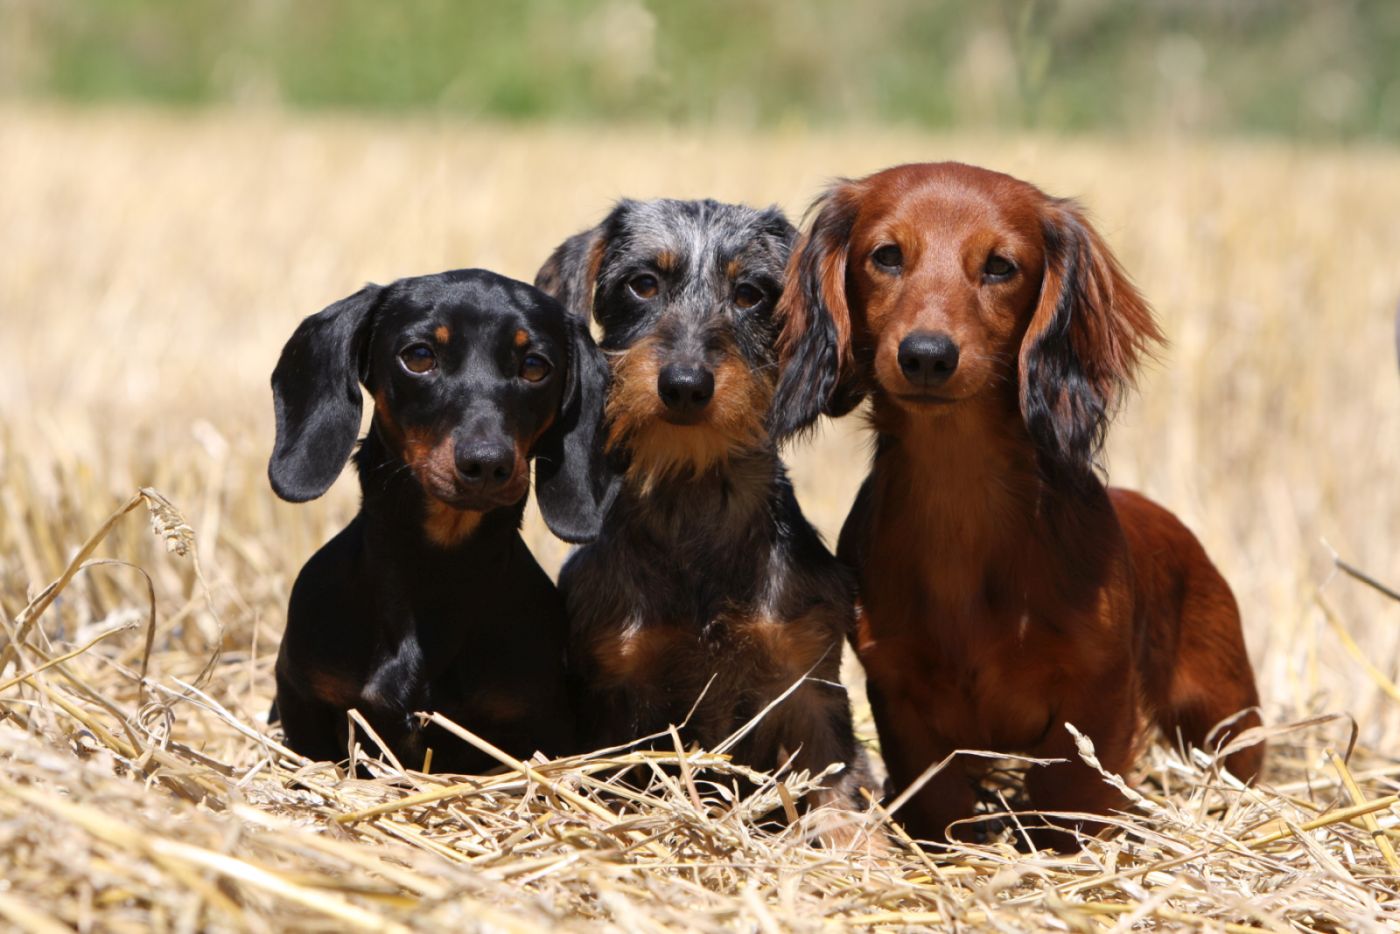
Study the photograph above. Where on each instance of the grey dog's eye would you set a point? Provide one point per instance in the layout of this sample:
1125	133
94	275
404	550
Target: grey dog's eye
747	296
644	286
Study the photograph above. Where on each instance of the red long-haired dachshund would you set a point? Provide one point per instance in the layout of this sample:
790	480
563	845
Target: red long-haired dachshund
1005	592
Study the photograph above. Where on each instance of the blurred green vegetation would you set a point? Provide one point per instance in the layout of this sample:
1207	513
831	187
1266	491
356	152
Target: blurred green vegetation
1318	68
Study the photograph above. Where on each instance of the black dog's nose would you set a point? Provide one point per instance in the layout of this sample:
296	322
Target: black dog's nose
485	465
928	359
685	388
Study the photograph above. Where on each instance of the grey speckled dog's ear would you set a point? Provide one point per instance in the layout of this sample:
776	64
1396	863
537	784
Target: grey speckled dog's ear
775	223
571	272
316	397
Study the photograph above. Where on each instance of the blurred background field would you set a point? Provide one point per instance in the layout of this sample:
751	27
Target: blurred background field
1325	70
181	183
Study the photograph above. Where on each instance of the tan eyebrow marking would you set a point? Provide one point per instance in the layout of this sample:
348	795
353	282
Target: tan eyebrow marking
442	334
521	338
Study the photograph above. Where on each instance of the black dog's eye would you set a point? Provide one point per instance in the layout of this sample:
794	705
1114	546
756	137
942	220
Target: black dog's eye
534	368
890	256
644	286
997	269
747	296
418	358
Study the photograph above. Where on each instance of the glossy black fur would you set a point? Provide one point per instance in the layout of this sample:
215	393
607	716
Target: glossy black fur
687	562
387	617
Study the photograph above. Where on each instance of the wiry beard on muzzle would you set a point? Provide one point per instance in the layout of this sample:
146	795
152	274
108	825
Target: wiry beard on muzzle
733	421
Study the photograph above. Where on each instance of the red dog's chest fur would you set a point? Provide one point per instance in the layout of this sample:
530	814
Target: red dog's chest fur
996	609
981	612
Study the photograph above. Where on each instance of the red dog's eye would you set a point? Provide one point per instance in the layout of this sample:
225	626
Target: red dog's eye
747	296
890	256
998	268
418	358
644	286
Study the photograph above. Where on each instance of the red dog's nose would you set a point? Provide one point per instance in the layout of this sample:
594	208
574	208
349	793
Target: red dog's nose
928	359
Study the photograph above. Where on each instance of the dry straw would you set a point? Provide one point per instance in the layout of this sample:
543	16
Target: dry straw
151	265
110	819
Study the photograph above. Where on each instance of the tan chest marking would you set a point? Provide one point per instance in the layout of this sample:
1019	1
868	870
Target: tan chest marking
333	687
446	526
635	654
748	648
790	648
500	706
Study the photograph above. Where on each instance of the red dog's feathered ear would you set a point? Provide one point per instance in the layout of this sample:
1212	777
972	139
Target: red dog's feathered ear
818	374
1090	328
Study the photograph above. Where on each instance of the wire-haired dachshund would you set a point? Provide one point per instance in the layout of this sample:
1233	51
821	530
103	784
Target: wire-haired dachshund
706	583
429	599
1005	592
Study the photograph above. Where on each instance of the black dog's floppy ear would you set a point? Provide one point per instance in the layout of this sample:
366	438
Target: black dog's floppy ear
571	271
1090	328
316	397
574	484
818	374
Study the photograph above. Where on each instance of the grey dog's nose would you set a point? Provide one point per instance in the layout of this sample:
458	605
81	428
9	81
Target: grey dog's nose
685	388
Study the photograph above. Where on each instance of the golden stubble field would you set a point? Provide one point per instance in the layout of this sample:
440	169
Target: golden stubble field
151	267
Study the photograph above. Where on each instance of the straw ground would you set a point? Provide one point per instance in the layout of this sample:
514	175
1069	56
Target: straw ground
151	267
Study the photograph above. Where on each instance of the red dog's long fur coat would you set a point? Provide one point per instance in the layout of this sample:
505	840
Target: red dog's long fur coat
1005	591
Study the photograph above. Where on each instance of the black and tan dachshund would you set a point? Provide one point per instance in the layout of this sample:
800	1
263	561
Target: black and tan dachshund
429	598
706	583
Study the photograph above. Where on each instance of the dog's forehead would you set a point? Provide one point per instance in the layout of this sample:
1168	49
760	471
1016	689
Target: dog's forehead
702	233
476	300
950	196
